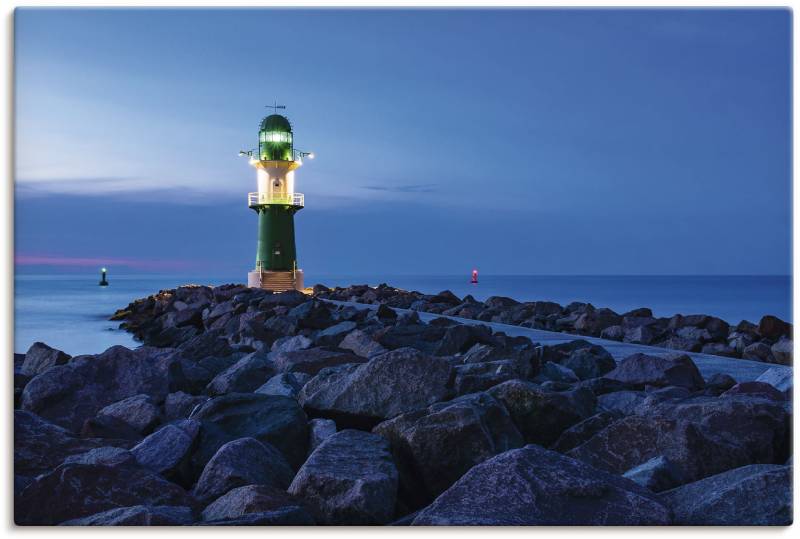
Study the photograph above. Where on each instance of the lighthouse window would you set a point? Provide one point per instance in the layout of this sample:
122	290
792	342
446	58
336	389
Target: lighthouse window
277	137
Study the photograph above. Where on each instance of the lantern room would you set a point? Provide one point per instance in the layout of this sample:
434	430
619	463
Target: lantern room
275	139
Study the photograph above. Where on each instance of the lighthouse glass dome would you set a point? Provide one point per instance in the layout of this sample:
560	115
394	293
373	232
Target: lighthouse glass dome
275	139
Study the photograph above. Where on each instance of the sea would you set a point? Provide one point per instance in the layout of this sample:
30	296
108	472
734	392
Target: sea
70	312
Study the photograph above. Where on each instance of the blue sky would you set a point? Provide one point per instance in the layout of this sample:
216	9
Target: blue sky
515	141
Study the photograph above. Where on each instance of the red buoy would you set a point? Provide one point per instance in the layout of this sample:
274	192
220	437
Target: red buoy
474	276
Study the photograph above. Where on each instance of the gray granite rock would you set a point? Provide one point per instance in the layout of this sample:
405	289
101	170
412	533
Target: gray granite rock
245	461
534	486
349	479
138	515
756	495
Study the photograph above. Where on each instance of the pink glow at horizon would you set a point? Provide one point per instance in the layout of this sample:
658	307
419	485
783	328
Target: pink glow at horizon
45	260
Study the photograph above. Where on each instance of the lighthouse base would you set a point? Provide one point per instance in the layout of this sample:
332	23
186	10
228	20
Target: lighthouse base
276	281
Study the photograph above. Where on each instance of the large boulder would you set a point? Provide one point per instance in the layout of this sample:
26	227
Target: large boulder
589	362
287	384
272	419
70	394
773	328
758	351
634	440
759	427
244	376
534	486
349	479
361	344
168	450
255	499
245	461
78	490
756	495
584	430
477	426
138	412
40	446
541	416
40	358
642	370
138	515
783	351
313	360
386	386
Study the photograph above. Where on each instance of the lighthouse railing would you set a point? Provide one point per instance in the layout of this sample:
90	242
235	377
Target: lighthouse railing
258	199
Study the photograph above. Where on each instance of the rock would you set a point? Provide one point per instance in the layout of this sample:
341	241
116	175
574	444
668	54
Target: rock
720	381
287	384
290	298
179	405
168	450
584	430
613	333
253	499
758	351
40	446
244	376
195	374
385	313
386	386
657	474
755	426
245	461
633	440
108	455
319	431
333	335
70	394
780	379
773	328
622	402
642	369
593	323
782	351
78	490
312	314
268	418
40	358
534	486
557	373
211	343
423	442
423	337
475	377
313	360
291	344
106	426
756	495
542	416
755	389
589	362
139	412
291	515
639	335
361	344
138	515
459	338
349	479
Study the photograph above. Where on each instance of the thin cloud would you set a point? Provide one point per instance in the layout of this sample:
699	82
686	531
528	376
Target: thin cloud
88	262
411	188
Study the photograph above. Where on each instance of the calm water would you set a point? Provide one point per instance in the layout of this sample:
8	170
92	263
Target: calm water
71	312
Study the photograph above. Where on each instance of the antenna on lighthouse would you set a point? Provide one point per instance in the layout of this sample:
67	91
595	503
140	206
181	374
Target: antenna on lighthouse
275	107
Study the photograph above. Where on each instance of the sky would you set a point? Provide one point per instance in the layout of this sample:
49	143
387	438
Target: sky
556	142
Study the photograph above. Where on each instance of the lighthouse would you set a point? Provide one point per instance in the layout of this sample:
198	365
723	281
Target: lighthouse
275	202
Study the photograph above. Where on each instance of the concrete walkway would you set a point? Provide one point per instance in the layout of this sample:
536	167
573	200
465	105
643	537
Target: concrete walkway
741	370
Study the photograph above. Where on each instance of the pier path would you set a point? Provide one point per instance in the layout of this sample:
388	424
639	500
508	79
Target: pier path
742	370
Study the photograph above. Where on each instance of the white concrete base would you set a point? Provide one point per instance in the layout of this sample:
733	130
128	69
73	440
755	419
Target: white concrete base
276	281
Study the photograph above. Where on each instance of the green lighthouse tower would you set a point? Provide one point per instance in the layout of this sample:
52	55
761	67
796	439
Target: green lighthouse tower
276	202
